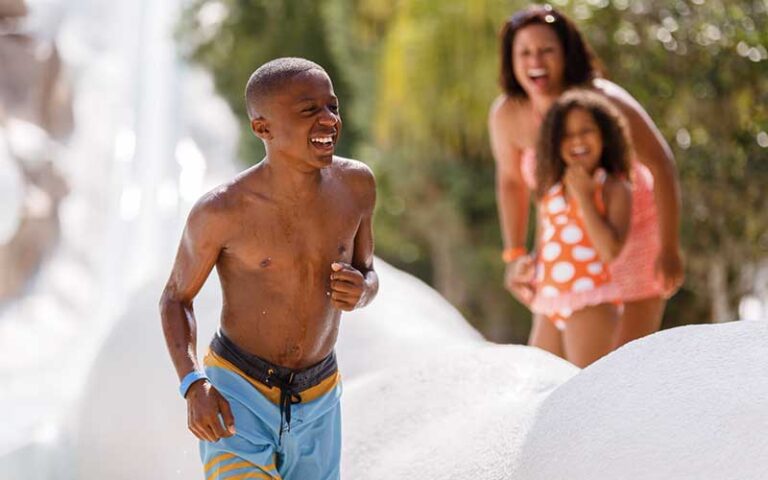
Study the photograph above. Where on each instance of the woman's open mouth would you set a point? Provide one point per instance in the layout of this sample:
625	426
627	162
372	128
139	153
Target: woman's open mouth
539	76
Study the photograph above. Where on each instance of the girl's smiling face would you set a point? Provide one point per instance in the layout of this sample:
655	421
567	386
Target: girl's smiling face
582	142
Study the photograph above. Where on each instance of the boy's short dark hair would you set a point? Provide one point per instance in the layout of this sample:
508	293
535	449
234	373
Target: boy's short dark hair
581	64
269	77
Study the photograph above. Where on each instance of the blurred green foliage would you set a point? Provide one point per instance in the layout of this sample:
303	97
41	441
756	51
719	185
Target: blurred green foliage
416	77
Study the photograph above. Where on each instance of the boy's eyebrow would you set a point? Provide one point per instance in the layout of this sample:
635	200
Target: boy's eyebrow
313	99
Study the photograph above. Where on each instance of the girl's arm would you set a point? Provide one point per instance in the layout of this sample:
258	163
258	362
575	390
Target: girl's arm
608	232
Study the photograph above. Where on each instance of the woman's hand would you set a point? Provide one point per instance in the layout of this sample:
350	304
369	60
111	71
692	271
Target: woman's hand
518	278
670	270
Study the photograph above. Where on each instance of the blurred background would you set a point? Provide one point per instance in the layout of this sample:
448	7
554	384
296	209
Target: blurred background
116	116
416	78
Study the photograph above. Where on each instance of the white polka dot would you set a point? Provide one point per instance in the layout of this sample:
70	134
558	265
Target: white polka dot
560	324
561	220
549	291
595	268
566	312
583	254
551	251
562	271
549	232
583	285
571	234
556	205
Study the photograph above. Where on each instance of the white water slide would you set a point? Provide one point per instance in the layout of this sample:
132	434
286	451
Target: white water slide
88	391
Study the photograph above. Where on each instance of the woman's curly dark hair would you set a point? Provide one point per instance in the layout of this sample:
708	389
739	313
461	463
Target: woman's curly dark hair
614	158
581	64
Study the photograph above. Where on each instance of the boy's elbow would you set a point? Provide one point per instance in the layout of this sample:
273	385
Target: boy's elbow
167	303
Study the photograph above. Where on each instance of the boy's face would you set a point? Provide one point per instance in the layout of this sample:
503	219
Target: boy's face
582	143
303	120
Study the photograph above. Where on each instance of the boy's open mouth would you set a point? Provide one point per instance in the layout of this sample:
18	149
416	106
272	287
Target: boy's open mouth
324	141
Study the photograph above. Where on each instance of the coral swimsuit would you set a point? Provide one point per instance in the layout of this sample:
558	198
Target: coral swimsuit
569	273
634	270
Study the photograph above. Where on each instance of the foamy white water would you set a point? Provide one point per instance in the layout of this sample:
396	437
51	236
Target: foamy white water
89	391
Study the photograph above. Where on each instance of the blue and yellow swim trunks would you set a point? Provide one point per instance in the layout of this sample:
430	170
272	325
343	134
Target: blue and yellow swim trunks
287	422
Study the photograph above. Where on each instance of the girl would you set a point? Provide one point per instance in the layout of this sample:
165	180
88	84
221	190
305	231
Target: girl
584	205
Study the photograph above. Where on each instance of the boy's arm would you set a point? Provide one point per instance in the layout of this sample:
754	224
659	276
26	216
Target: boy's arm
199	248
355	285
608	232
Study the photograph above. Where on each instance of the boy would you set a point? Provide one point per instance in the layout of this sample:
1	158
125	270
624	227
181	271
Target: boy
292	243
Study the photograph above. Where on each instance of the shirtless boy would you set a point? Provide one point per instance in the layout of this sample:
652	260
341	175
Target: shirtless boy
292	243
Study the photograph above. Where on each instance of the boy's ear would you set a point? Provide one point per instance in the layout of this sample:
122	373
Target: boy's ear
260	128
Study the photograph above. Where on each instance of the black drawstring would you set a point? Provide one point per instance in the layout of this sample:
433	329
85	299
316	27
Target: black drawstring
290	383
288	396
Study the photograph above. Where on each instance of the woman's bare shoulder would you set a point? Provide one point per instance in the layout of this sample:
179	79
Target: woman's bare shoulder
618	95
506	108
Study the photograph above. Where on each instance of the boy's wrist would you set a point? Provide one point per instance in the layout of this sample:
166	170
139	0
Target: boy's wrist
189	379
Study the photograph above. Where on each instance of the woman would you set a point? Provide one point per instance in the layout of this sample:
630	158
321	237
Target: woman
542	55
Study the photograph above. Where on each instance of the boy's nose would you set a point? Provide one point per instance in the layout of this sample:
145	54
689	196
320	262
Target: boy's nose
329	118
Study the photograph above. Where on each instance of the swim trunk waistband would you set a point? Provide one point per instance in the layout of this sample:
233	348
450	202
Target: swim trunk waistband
289	382
270	374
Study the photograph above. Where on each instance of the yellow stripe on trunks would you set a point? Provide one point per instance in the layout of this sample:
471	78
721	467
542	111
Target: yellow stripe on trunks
216	474
273	393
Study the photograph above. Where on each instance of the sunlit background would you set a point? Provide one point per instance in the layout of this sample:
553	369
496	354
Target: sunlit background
116	116
416	79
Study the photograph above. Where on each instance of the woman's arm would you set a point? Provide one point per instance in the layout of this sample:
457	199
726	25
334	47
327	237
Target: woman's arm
653	151
512	195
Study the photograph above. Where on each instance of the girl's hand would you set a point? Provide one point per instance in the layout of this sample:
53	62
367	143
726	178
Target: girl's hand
518	278
579	183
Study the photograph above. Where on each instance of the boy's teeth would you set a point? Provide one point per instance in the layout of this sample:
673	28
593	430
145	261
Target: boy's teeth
322	139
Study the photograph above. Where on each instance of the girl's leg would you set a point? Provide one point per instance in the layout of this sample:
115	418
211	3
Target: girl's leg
639	319
546	336
589	333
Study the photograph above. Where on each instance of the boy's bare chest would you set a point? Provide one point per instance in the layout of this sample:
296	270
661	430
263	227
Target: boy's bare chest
282	237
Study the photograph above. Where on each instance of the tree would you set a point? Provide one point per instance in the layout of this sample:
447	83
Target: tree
416	78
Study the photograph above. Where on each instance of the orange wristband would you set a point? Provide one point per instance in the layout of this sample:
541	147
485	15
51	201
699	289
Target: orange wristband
512	254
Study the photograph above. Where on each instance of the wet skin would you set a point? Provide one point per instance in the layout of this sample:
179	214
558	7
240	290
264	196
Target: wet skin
291	241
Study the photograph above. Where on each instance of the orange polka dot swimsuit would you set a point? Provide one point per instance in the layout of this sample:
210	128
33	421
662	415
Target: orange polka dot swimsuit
569	273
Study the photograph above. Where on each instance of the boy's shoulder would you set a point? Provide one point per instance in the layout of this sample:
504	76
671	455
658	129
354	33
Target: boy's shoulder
351	170
356	175
226	197
351	166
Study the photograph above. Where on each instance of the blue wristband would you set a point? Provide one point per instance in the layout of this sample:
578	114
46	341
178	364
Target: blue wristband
189	379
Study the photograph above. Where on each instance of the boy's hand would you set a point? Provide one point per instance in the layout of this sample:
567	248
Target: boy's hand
347	286
204	404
